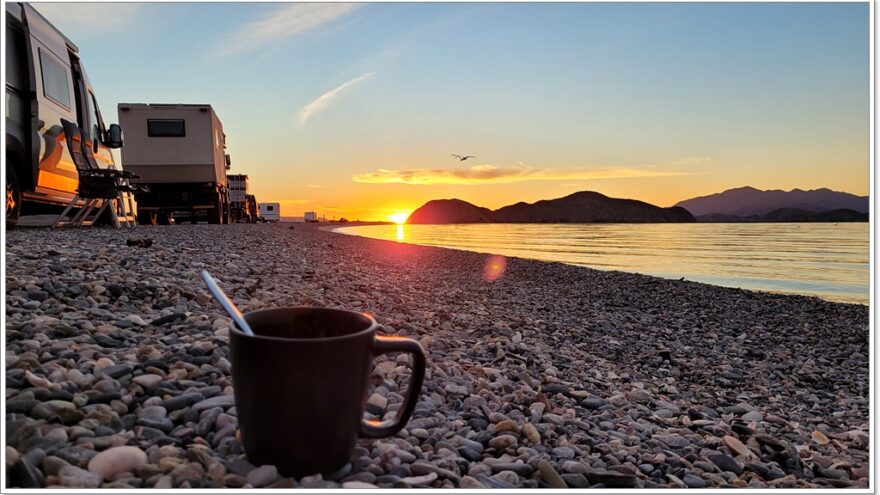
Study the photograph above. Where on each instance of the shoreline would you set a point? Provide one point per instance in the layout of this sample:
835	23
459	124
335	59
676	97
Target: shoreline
604	378
778	293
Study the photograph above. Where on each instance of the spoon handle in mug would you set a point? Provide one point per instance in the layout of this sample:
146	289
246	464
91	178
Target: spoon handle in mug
227	303
382	345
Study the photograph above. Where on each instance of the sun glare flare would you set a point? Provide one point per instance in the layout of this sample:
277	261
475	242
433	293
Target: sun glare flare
399	217
494	268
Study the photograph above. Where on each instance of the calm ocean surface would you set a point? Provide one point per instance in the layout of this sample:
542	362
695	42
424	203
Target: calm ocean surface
827	260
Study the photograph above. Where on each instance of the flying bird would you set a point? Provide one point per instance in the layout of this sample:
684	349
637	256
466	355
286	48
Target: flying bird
463	158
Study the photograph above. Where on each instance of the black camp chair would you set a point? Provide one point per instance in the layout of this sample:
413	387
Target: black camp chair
100	189
123	182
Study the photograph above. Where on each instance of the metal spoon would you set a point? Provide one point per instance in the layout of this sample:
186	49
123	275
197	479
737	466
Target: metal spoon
227	303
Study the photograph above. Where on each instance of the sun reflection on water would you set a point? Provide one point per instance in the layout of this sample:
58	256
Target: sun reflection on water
400	232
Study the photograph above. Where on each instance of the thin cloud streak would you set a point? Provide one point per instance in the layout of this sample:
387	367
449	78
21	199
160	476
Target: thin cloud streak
327	98
78	19
490	174
285	22
692	160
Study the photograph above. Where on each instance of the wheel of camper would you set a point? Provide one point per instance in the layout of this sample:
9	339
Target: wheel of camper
13	196
215	214
147	217
227	209
163	218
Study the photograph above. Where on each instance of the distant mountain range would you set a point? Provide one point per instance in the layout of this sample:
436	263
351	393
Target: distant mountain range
748	203
744	204
791	215
581	207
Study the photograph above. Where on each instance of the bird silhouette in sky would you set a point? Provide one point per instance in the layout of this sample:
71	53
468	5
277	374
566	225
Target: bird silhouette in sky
463	158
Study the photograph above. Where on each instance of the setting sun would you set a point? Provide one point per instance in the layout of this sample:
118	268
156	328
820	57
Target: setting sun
399	217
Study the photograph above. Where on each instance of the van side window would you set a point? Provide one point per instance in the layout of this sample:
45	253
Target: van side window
16	66
94	118
166	128
270	208
56	86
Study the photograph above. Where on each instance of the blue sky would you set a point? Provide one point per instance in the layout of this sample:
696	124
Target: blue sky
354	109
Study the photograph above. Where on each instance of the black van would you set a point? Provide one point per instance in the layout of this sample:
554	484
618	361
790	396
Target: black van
45	82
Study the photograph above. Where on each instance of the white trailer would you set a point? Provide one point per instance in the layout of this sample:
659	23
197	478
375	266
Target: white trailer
270	212
310	216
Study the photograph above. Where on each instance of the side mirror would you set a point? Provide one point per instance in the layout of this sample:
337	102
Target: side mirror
228	161
114	136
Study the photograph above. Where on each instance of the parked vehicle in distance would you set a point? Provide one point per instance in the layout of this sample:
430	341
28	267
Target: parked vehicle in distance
179	151
239	186
253	212
270	212
46	82
310	217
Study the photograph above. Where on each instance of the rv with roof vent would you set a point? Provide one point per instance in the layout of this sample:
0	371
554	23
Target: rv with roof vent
179	152
239	194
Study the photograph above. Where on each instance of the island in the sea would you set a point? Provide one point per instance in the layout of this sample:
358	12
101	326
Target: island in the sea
580	207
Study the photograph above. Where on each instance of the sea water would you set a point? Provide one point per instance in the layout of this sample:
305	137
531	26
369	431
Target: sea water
826	260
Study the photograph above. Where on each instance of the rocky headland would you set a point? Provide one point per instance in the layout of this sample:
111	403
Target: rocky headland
580	207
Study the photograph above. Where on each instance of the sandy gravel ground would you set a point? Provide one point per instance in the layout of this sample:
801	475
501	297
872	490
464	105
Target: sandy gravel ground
117	369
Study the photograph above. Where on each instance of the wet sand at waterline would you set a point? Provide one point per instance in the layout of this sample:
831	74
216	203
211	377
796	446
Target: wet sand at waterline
540	374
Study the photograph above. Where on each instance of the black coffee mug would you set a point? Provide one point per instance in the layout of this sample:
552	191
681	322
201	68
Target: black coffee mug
301	386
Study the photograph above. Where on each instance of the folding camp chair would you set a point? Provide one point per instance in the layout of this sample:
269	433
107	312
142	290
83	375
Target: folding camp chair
100	189
125	205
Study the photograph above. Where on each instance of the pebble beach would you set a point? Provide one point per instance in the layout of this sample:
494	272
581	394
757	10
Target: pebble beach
549	376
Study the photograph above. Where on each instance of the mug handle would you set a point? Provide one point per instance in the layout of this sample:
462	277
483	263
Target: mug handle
383	345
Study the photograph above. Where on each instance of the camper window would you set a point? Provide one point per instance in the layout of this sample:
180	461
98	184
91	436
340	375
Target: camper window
270	208
55	84
95	123
166	128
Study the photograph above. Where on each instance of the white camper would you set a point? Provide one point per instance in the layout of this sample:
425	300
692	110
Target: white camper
310	217
270	212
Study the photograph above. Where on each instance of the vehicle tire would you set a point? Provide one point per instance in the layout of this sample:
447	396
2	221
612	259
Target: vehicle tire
13	196
163	218
147	217
215	214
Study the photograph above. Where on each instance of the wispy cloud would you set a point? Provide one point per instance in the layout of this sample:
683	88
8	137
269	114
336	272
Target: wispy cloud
691	160
285	22
315	186
490	174
328	97
81	19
